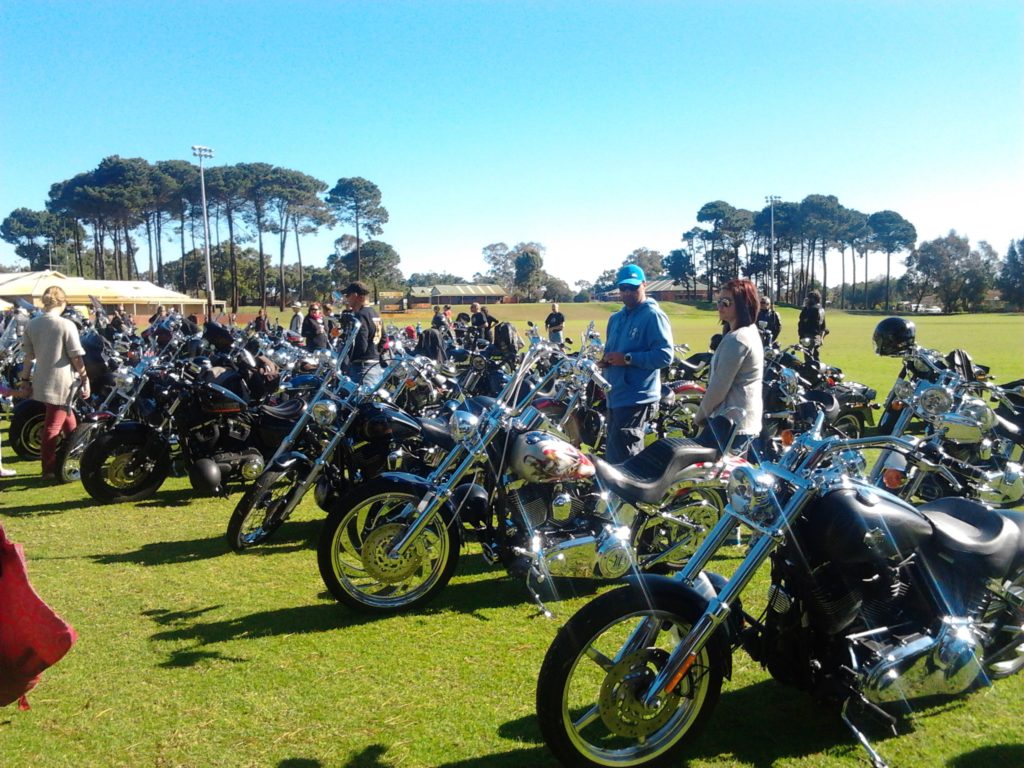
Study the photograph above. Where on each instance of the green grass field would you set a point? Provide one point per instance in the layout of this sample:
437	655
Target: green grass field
190	655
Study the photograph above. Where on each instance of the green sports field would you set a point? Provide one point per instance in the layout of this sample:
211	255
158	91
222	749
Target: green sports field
190	655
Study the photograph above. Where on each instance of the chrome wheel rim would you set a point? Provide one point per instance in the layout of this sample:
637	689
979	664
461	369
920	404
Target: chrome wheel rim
359	553
264	510
601	708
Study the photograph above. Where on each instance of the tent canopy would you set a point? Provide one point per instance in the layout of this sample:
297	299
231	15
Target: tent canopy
31	285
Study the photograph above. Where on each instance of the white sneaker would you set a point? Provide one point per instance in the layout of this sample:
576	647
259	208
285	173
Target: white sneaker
7	472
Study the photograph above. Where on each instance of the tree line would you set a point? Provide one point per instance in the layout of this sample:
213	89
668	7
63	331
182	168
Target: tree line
92	224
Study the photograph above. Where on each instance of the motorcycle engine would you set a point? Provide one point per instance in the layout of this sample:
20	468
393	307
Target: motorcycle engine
539	505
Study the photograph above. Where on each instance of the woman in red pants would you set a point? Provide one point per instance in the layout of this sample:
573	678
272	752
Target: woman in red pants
52	342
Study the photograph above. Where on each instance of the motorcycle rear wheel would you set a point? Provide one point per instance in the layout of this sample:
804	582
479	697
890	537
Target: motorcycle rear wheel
113	470
1007	620
352	552
257	515
850	425
701	506
588	687
678	420
69	458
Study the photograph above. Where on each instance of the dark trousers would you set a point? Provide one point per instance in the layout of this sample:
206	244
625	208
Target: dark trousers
626	431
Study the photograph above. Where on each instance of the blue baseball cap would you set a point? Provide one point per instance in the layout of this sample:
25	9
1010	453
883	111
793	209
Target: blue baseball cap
630	274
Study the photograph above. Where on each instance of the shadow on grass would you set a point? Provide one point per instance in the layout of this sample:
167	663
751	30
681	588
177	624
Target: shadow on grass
985	757
39	510
181	497
168	552
286	621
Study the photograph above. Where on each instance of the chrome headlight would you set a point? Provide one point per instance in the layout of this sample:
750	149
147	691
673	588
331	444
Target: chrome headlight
749	492
462	424
324	356
478	362
979	411
902	390
790	382
124	379
324	412
935	400
281	357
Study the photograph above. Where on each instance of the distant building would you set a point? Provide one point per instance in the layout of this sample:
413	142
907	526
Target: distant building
466	293
666	290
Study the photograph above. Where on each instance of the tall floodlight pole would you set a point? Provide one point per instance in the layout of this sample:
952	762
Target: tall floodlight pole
772	200
205	153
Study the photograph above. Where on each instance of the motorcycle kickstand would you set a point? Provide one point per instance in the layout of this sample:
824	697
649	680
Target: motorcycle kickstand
877	761
546	612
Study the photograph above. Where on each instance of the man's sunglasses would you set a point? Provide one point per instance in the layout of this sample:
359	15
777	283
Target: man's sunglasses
627	287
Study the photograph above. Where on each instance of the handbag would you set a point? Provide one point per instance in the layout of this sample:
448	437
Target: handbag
32	636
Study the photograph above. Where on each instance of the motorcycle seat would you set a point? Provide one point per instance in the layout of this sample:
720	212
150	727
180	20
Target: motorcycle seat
289	410
966	527
647	476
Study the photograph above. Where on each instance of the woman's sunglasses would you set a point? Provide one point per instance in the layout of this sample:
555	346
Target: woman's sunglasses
724	302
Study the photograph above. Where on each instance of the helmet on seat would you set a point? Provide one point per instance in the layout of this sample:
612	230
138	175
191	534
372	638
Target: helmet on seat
894	336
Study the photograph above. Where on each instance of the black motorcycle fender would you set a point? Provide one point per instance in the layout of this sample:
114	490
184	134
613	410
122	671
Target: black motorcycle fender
288	460
673	591
158	441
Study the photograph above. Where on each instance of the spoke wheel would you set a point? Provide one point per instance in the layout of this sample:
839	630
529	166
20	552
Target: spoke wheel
354	546
698	509
678	421
590	688
260	511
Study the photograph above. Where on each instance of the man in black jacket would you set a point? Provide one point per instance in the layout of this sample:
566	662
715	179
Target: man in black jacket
363	365
811	324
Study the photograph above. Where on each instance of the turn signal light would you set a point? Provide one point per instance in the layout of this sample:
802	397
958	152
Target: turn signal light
787	437
893	478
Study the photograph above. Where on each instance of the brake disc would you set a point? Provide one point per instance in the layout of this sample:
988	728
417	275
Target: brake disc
375	555
619	704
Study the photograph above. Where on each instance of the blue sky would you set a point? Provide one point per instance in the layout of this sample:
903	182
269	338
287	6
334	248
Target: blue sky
593	128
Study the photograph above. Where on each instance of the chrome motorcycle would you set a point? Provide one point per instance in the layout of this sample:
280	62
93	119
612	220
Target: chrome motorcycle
873	604
537	505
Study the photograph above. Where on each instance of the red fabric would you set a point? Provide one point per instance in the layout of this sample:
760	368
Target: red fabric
32	636
58	419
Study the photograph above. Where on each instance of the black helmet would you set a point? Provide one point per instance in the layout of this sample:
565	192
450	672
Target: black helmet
894	336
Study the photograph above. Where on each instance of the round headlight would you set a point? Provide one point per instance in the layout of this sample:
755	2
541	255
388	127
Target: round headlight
478	362
280	357
749	490
902	390
124	379
462	424
324	355
935	400
324	412
790	382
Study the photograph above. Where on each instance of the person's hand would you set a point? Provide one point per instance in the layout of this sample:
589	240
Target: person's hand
25	390
614	358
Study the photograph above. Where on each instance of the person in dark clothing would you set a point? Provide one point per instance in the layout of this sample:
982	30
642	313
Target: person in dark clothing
363	365
314	328
768	320
811	325
555	324
262	323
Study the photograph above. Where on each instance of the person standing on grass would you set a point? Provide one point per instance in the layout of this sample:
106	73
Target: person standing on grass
52	342
555	324
638	346
811	324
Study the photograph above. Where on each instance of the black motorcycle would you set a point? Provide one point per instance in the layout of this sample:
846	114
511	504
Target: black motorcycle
873	604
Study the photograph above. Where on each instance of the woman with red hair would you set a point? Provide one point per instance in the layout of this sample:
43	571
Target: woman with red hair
737	369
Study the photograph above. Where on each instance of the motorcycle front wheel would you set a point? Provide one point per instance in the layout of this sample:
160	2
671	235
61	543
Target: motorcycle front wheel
354	543
115	468
850	425
259	512
590	685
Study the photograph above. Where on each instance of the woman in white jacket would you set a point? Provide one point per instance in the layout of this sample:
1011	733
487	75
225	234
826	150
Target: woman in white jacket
737	368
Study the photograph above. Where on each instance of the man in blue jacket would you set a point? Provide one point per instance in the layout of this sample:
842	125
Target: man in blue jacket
637	346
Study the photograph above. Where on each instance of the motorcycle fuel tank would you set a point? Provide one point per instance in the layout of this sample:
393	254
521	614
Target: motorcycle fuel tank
542	458
857	525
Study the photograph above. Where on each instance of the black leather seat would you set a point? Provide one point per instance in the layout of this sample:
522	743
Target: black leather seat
646	476
289	410
965	527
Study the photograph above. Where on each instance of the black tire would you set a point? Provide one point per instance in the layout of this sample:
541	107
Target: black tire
850	425
69	457
25	433
109	474
257	515
362	577
586	703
